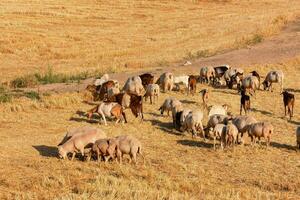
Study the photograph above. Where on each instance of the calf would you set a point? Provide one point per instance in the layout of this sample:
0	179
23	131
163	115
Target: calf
245	101
192	87
288	102
147	79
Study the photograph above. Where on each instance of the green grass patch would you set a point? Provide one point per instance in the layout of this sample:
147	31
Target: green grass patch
32	95
51	77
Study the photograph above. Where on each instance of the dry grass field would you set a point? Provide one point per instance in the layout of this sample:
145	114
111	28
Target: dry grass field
177	166
79	35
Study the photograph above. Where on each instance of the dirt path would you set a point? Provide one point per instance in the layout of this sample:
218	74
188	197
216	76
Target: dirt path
276	49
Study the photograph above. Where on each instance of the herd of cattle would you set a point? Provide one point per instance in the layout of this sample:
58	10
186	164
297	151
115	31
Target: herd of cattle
222	125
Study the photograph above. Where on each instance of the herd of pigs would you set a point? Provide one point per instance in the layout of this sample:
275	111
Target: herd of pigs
222	125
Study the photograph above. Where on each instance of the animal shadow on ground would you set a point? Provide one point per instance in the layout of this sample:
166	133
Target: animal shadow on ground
282	146
294	122
233	92
195	143
188	101
164	126
261	111
81	113
292	90
155	114
78	119
47	151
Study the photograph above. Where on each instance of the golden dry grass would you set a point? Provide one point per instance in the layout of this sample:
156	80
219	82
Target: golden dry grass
78	35
177	167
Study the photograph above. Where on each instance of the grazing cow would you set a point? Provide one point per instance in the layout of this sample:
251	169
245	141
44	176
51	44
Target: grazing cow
147	79
152	91
242	123
166	81
125	144
207	74
273	77
181	80
249	82
260	129
298	137
134	85
101	80
192	84
109	109
79	142
136	105
193	122
205	96
245	101
288	101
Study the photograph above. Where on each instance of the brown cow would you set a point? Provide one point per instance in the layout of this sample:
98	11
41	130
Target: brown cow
147	79
192	84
